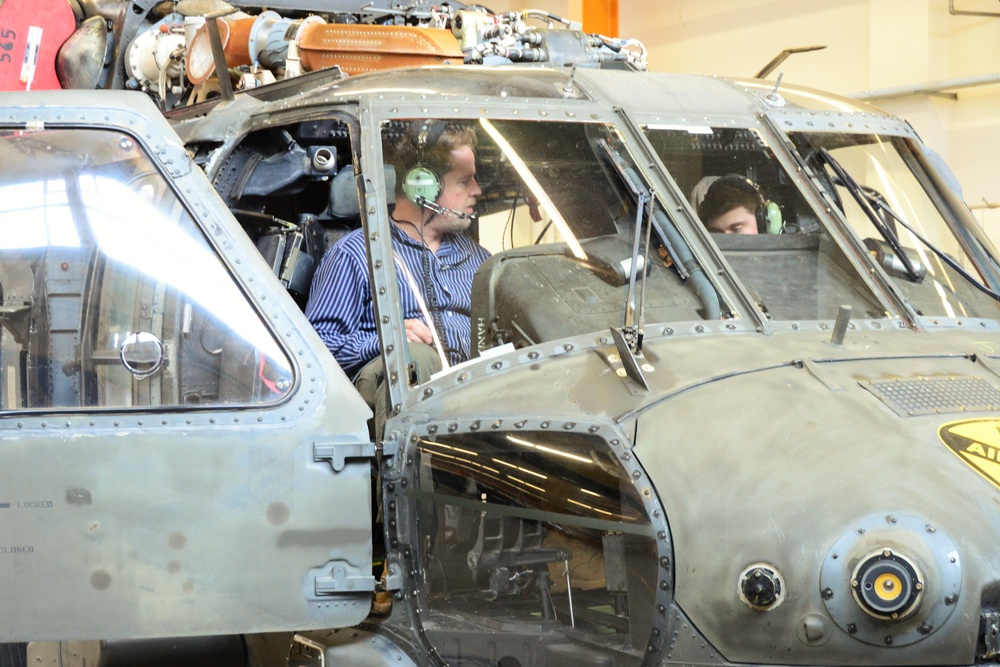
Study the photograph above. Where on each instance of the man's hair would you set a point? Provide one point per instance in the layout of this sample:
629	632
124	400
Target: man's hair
727	193
403	149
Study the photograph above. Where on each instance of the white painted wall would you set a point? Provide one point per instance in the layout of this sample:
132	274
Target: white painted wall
871	45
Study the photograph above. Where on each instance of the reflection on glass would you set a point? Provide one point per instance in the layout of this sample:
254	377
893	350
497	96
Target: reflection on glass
539	528
130	231
96	251
903	221
535	188
45	203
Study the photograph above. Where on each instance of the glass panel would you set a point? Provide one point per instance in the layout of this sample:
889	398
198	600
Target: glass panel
111	296
884	176
762	224
557	207
533	527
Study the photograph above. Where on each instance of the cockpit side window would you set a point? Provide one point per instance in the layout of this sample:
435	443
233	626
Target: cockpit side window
111	296
762	224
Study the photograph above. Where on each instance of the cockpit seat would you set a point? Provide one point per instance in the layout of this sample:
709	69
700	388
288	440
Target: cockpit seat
345	198
344	208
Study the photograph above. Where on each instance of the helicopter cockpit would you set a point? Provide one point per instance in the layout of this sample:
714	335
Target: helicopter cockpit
579	235
582	238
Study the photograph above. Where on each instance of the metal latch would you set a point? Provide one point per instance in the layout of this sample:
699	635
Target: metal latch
337	454
337	581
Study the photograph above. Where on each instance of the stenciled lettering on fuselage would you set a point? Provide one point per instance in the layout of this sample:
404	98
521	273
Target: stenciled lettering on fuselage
977	442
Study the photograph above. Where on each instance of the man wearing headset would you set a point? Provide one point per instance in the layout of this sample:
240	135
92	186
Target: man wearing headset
435	199
733	204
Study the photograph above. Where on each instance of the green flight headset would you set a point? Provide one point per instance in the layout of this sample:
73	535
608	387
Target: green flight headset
421	182
767	213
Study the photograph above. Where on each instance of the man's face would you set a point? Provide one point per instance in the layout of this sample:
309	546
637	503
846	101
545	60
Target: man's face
739	220
459	191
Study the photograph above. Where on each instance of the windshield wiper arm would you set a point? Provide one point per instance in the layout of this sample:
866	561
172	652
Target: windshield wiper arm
634	327
869	201
942	255
865	202
633	183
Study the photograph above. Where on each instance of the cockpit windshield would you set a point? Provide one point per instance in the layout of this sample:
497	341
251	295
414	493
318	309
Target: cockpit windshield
567	235
559	205
771	236
940	266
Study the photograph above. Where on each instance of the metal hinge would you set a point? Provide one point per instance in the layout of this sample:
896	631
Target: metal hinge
337	454
989	633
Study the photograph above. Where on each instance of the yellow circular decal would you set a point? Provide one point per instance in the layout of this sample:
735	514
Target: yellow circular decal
977	442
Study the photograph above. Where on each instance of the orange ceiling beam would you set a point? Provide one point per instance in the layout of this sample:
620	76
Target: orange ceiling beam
601	16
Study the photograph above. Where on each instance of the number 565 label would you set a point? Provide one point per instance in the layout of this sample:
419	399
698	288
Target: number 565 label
7	38
31	32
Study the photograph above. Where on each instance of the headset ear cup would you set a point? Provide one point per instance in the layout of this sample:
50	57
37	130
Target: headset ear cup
773	222
421	182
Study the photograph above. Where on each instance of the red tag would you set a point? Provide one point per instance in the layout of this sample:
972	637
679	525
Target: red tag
33	60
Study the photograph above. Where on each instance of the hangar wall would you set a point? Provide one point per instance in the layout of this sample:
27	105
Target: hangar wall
872	45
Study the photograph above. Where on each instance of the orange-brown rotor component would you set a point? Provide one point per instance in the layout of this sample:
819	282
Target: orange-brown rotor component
238	49
359	49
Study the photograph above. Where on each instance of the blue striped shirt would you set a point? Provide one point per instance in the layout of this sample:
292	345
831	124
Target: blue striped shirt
340	298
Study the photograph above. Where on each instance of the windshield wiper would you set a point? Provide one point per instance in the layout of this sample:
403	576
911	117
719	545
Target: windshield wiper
942	255
634	326
872	202
866	203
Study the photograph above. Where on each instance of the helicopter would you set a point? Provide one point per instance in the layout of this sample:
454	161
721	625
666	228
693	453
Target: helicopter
666	446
